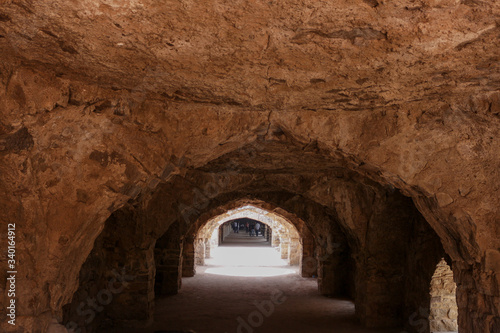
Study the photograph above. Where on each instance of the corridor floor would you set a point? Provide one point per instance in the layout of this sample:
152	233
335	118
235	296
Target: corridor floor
274	298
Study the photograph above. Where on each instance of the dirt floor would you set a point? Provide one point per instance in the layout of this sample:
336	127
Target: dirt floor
274	298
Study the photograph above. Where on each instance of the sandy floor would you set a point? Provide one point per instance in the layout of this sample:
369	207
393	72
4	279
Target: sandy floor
273	298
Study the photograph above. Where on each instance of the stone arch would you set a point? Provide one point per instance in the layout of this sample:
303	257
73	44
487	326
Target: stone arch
443	199
291	240
456	229
272	202
176	238
154	217
168	262
302	204
285	233
442	208
459	239
269	218
437	143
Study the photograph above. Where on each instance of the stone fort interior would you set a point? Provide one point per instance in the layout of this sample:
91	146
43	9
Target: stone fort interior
366	132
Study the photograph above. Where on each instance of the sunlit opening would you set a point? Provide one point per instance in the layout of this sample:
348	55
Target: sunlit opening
248	242
247	261
443	315
249	271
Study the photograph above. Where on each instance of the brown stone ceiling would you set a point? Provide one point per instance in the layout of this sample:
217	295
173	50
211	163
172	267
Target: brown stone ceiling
275	157
301	54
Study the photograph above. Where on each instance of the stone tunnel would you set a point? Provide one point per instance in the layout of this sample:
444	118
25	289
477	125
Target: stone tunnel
364	134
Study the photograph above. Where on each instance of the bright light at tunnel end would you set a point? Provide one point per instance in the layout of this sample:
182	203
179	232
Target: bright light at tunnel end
241	261
248	262
249	271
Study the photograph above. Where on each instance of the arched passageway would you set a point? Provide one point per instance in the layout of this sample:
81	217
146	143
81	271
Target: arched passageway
250	288
252	251
126	125
183	257
278	230
345	246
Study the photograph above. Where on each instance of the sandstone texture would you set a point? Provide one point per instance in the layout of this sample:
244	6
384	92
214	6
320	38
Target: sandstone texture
371	126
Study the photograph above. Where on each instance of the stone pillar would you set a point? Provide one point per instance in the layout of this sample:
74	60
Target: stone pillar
139	292
327	284
188	254
199	257
207	248
275	239
333	273
294	252
227	229
168	278
284	248
381	263
478	294
308	264
379	293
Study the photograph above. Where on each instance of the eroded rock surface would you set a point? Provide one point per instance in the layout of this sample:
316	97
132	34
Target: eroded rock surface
347	104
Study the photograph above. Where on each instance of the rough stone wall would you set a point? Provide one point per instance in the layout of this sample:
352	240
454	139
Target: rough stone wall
266	55
73	153
119	271
443	308
168	262
188	258
199	252
424	251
